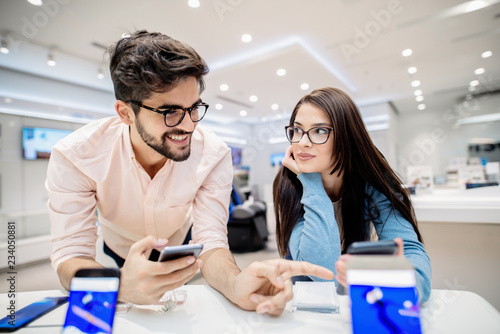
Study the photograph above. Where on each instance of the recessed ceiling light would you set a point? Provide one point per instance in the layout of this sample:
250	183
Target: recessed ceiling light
243	113
125	35
304	86
275	106
100	73
486	54
475	5
4	47
479	71
474	83
415	83
51	61
417	92
407	52
218	106
264	119
419	98
246	38
223	87
36	2
194	3
281	72
412	70
421	106
7	100
253	98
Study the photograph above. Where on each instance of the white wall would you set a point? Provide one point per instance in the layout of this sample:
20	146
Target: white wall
381	122
22	191
432	137
257	153
53	96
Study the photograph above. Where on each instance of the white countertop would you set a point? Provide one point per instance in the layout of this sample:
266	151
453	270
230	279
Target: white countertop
207	311
479	205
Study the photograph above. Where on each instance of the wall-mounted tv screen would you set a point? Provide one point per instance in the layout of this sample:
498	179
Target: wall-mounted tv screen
236	155
276	158
38	142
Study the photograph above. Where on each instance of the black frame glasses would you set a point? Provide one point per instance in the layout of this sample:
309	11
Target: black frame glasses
175	112
290	130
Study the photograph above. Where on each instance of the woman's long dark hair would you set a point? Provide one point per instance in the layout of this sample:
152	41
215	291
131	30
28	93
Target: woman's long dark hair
360	163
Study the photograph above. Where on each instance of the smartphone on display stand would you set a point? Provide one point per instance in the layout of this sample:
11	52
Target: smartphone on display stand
92	301
29	313
383	294
386	247
175	252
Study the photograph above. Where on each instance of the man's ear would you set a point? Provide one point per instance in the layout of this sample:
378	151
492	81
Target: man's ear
125	112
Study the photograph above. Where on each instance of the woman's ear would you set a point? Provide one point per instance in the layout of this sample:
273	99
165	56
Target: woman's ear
125	112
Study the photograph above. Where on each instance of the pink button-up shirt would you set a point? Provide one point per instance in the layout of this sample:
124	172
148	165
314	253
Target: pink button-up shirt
95	168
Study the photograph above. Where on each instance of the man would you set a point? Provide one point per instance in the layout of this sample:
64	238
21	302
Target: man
152	174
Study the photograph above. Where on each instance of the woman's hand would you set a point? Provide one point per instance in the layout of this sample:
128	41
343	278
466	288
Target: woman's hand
289	161
400	244
341	264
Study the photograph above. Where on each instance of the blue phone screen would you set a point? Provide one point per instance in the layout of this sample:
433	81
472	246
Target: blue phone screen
384	301
377	309
92	304
31	312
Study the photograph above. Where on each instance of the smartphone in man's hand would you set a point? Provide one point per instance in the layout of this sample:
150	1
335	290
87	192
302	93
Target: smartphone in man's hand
175	252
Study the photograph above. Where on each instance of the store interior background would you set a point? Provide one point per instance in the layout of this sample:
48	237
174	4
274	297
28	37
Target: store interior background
354	45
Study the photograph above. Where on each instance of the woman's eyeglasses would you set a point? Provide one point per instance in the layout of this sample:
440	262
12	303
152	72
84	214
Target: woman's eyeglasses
316	135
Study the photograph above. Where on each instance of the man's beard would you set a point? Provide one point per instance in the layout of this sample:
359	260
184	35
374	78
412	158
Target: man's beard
163	148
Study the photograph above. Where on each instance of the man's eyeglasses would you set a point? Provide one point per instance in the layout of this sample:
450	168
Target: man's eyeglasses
173	116
317	135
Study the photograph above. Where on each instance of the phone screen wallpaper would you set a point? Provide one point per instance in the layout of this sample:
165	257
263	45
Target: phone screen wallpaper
90	312
376	309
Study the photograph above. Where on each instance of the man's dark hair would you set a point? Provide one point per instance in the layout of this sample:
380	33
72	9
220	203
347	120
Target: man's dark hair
146	62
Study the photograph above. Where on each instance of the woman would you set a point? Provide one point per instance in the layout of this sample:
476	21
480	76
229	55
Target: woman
335	188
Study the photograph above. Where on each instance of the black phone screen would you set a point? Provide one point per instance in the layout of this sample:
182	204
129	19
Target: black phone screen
29	313
386	247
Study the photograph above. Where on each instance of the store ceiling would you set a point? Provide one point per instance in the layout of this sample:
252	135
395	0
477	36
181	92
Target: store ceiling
355	45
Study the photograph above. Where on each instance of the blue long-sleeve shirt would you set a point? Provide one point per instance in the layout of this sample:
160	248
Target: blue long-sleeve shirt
316	237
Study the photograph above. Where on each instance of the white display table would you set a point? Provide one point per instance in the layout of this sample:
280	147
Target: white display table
207	311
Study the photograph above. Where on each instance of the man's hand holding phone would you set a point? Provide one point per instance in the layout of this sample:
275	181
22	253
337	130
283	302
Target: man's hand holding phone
145	282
